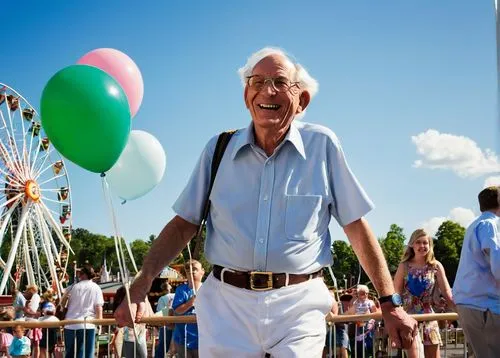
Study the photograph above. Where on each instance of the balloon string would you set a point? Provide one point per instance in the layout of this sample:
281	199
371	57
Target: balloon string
191	267
119	248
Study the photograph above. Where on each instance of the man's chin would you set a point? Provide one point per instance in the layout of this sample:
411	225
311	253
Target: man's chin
267	121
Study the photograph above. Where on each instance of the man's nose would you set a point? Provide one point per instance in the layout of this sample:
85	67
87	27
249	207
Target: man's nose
269	87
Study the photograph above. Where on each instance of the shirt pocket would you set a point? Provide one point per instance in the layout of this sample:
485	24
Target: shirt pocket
302	216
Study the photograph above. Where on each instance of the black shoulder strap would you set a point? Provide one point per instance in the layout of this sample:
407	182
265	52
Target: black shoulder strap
220	148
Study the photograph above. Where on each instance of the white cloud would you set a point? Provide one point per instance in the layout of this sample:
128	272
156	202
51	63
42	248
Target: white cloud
432	225
457	153
491	181
459	215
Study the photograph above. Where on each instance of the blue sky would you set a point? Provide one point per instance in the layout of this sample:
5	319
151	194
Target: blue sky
389	71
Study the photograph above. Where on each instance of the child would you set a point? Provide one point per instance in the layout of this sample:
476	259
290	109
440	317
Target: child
49	337
186	335
21	345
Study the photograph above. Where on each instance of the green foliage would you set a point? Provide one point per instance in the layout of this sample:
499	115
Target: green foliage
345	264
393	245
447	247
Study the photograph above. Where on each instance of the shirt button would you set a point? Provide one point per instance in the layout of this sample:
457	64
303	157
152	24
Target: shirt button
261	240
266	197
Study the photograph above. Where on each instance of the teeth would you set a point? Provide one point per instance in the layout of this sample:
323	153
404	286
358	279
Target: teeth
269	106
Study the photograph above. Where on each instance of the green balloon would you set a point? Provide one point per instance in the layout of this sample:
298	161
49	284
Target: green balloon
86	115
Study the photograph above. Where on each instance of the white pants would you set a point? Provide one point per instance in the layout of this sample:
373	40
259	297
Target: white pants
287	322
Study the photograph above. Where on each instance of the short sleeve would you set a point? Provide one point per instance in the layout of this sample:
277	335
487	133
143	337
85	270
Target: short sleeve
189	204
350	201
99	297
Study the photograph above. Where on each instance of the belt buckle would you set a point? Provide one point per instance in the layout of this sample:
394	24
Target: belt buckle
269	283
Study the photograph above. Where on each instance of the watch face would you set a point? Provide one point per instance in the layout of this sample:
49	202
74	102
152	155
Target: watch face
396	300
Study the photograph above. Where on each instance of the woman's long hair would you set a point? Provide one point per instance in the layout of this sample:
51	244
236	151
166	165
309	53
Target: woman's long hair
410	253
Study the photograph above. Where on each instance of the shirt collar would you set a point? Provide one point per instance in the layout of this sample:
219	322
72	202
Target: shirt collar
489	215
246	138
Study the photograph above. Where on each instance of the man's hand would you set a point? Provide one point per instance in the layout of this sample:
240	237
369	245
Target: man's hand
401	328
126	315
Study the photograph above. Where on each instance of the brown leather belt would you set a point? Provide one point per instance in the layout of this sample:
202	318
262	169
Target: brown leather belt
258	280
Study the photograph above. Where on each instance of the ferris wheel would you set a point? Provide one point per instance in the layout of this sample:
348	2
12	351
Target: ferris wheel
35	198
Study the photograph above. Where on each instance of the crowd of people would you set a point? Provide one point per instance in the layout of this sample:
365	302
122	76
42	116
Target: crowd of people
83	300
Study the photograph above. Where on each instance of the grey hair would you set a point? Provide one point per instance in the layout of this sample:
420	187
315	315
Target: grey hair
305	80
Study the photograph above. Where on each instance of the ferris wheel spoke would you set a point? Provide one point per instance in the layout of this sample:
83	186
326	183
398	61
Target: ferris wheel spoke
37	151
55	226
36	172
11	200
6	156
13	144
51	179
15	245
25	156
51	242
33	246
10	183
27	258
46	239
53	201
2	266
6	220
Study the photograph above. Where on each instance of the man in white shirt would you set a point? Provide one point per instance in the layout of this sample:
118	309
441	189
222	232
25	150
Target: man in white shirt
85	302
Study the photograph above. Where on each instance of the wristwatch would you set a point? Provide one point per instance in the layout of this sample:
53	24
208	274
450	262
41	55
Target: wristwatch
395	299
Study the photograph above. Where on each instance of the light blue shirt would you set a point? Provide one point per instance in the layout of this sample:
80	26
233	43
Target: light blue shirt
272	213
20	346
477	283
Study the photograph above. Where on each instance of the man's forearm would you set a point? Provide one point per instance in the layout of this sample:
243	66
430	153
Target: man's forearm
173	238
370	255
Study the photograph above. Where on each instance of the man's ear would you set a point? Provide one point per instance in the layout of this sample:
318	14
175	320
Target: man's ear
304	100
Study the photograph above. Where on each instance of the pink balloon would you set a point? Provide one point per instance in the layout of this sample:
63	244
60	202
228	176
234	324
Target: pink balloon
123	69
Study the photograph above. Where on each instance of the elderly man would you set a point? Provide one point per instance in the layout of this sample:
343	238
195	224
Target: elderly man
277	187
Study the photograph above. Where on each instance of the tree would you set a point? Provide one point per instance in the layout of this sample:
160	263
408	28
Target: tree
345	264
184	255
447	247
393	247
139	249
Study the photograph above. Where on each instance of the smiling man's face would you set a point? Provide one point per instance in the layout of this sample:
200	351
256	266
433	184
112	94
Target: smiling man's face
272	96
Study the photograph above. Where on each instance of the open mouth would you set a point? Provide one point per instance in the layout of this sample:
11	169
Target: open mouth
270	107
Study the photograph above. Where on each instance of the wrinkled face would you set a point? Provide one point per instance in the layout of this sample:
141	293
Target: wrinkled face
269	107
421	246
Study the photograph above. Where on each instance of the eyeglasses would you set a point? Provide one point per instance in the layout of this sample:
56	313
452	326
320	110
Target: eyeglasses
279	84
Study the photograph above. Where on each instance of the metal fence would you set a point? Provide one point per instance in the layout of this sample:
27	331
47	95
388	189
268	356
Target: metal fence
366	336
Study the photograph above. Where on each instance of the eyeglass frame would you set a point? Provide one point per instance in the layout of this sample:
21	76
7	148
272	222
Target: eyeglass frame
273	85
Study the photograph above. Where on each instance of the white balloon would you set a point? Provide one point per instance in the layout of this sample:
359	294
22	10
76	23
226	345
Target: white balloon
140	167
